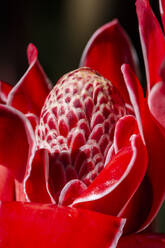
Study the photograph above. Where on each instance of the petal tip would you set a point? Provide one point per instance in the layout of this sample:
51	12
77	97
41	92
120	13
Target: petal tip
124	67
139	2
32	53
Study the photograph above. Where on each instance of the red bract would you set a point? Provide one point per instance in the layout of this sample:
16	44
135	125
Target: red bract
30	92
90	149
52	226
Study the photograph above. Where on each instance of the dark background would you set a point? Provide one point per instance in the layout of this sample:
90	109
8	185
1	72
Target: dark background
60	29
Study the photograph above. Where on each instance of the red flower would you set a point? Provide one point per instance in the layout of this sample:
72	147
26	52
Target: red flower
93	150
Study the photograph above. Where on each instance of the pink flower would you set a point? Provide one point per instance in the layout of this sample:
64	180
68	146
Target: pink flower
84	160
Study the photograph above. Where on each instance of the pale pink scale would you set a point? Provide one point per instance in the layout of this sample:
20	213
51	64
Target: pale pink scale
83	125
77	103
97	133
89	106
97	158
97	118
63	127
78	140
79	116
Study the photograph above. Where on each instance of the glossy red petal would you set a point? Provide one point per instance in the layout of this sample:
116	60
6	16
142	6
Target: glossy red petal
35	182
5	89
16	141
123	133
109	192
106	51
137	210
155	143
156	102
33	120
162	71
162	11
135	93
142	241
152	40
72	190
7	187
29	94
38	225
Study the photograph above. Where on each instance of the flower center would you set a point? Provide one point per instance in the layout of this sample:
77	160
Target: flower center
77	123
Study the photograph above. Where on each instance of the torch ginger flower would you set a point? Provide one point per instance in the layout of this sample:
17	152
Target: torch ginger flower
84	161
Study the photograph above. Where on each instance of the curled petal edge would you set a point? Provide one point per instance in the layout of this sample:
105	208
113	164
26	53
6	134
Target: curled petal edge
29	94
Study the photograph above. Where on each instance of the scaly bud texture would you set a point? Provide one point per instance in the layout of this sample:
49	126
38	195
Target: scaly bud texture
77	123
